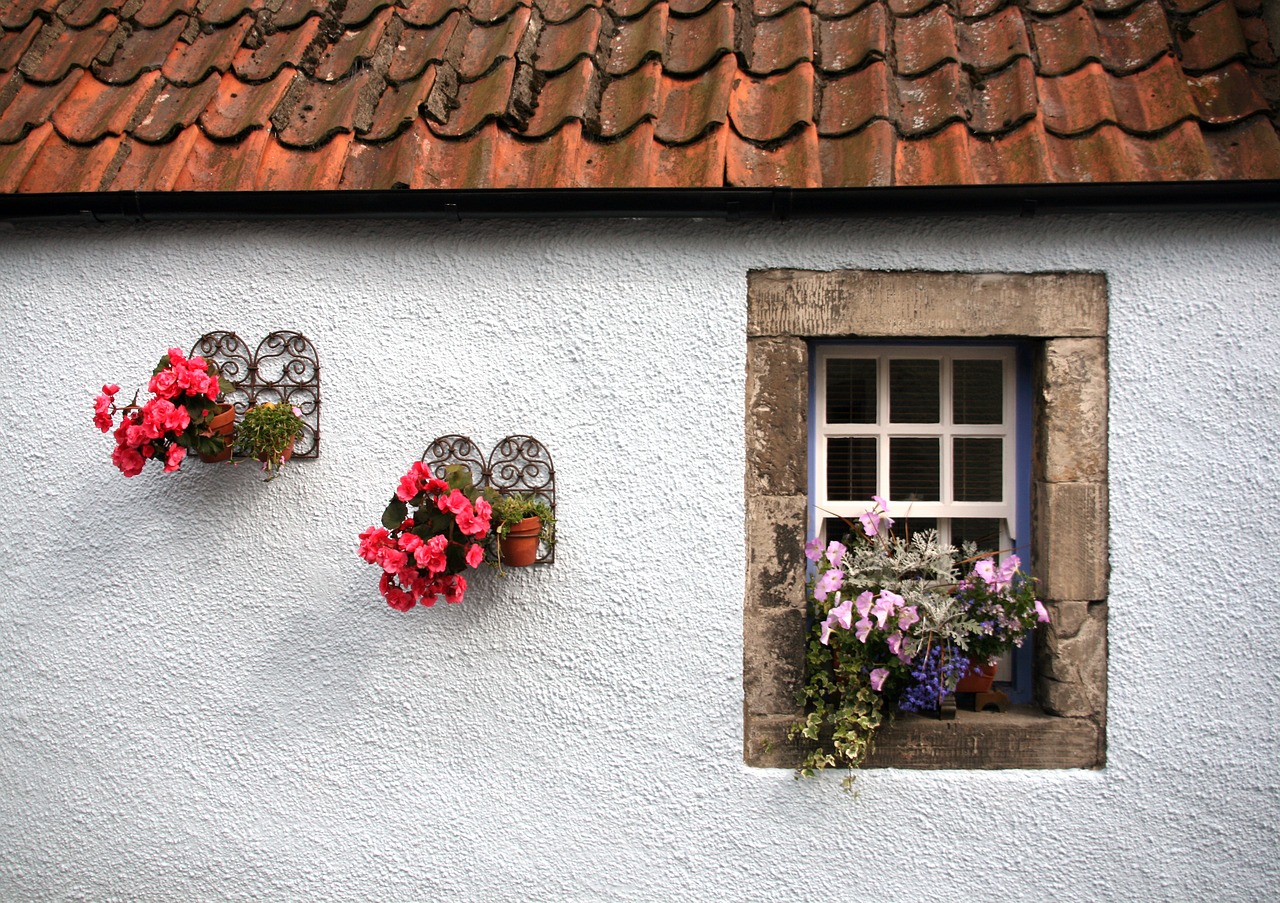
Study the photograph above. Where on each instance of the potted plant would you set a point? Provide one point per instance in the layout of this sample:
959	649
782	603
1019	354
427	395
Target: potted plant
522	521
895	626
431	533
267	432
184	414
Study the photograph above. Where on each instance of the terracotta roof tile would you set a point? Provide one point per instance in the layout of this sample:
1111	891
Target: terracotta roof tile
489	12
1212	38
153	167
854	40
938	159
925	42
424	13
1003	100
143	50
154	13
61	166
292	13
630	100
768	109
223	166
385	164
561	45
314	112
15	14
777	44
1018	157
174	109
281	167
636	40
851	101
691	106
479	102
1247	150
556	11
359	12
283	48
93	110
399	106
419	47
695	44
794	162
59	49
28	105
487	45
83	13
862	159
242	95
243	107
211	51
13	44
16	157
993	42
352	48
222	12
835	9
931	101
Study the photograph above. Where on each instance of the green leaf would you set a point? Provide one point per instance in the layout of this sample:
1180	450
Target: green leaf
395	514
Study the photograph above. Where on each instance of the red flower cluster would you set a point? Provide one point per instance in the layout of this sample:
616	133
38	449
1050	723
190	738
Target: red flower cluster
423	554
165	427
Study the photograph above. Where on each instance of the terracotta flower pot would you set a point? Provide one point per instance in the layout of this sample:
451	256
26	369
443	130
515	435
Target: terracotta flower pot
520	547
288	452
223	424
978	679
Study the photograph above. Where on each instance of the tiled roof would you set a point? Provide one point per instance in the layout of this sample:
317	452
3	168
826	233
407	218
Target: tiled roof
201	95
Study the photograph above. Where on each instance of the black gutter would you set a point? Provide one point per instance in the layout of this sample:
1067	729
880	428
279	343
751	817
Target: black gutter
727	203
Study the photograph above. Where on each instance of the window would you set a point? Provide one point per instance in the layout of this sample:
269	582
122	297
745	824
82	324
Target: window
907	414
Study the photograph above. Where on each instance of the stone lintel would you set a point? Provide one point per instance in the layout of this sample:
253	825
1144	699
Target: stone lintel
925	304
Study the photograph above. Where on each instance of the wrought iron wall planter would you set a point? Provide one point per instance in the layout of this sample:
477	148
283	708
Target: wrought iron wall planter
284	368
517	464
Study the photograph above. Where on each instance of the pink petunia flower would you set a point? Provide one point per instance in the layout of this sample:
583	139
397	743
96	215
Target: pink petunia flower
813	549
878	677
1042	613
864	603
828	583
835	553
862	630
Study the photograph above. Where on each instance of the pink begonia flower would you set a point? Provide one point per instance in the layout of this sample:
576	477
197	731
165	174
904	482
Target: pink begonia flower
174	459
408	487
475	555
178	356
371	540
828	583
455	589
164	384
907	616
128	460
396	597
863	629
1042	613
878	677
483	508
835	553
813	549
864	603
110	389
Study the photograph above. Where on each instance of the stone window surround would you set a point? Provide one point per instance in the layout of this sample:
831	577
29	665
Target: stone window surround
1064	316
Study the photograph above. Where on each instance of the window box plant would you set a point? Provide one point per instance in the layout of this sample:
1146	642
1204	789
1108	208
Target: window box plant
895	625
267	432
184	414
431	534
522	522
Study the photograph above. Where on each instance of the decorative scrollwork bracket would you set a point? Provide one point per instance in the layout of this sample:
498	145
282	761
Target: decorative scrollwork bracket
517	464
283	369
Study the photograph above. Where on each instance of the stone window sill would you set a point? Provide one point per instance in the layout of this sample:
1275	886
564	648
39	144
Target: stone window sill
1023	737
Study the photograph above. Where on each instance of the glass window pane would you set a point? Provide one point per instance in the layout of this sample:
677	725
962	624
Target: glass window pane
914	391
836	528
977	468
983	532
977	391
913	469
851	468
851	391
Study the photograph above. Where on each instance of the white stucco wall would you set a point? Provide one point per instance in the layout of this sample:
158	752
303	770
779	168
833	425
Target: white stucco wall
204	697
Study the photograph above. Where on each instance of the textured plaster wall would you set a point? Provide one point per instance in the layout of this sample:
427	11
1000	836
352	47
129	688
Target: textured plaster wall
203	696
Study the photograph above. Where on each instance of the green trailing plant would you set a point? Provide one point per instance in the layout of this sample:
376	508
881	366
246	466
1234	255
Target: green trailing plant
509	510
267	433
